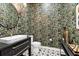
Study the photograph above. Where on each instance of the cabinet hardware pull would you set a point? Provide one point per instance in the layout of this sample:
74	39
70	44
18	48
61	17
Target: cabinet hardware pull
19	45
21	51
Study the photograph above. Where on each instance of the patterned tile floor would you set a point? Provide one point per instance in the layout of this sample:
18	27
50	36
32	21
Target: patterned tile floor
45	51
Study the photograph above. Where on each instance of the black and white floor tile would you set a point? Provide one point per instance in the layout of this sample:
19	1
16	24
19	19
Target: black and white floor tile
45	51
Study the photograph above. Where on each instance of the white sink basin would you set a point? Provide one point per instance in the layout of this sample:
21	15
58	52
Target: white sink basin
12	39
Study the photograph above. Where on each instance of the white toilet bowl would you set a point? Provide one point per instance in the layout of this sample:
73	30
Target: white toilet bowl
35	46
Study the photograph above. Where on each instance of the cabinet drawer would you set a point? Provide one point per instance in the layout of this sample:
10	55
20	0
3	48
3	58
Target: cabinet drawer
15	49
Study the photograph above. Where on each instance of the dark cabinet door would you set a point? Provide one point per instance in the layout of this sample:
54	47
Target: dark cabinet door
17	48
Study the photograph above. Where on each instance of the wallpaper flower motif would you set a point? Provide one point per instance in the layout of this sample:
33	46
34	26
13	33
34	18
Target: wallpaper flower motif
44	21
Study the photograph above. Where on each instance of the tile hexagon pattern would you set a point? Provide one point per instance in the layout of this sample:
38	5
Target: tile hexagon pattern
45	51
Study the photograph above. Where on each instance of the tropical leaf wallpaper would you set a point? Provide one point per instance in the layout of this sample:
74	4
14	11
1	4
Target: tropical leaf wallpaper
44	21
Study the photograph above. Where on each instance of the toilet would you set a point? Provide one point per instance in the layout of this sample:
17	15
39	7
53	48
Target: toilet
34	46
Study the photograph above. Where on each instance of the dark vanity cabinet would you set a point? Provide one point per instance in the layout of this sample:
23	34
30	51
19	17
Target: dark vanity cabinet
68	51
16	49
